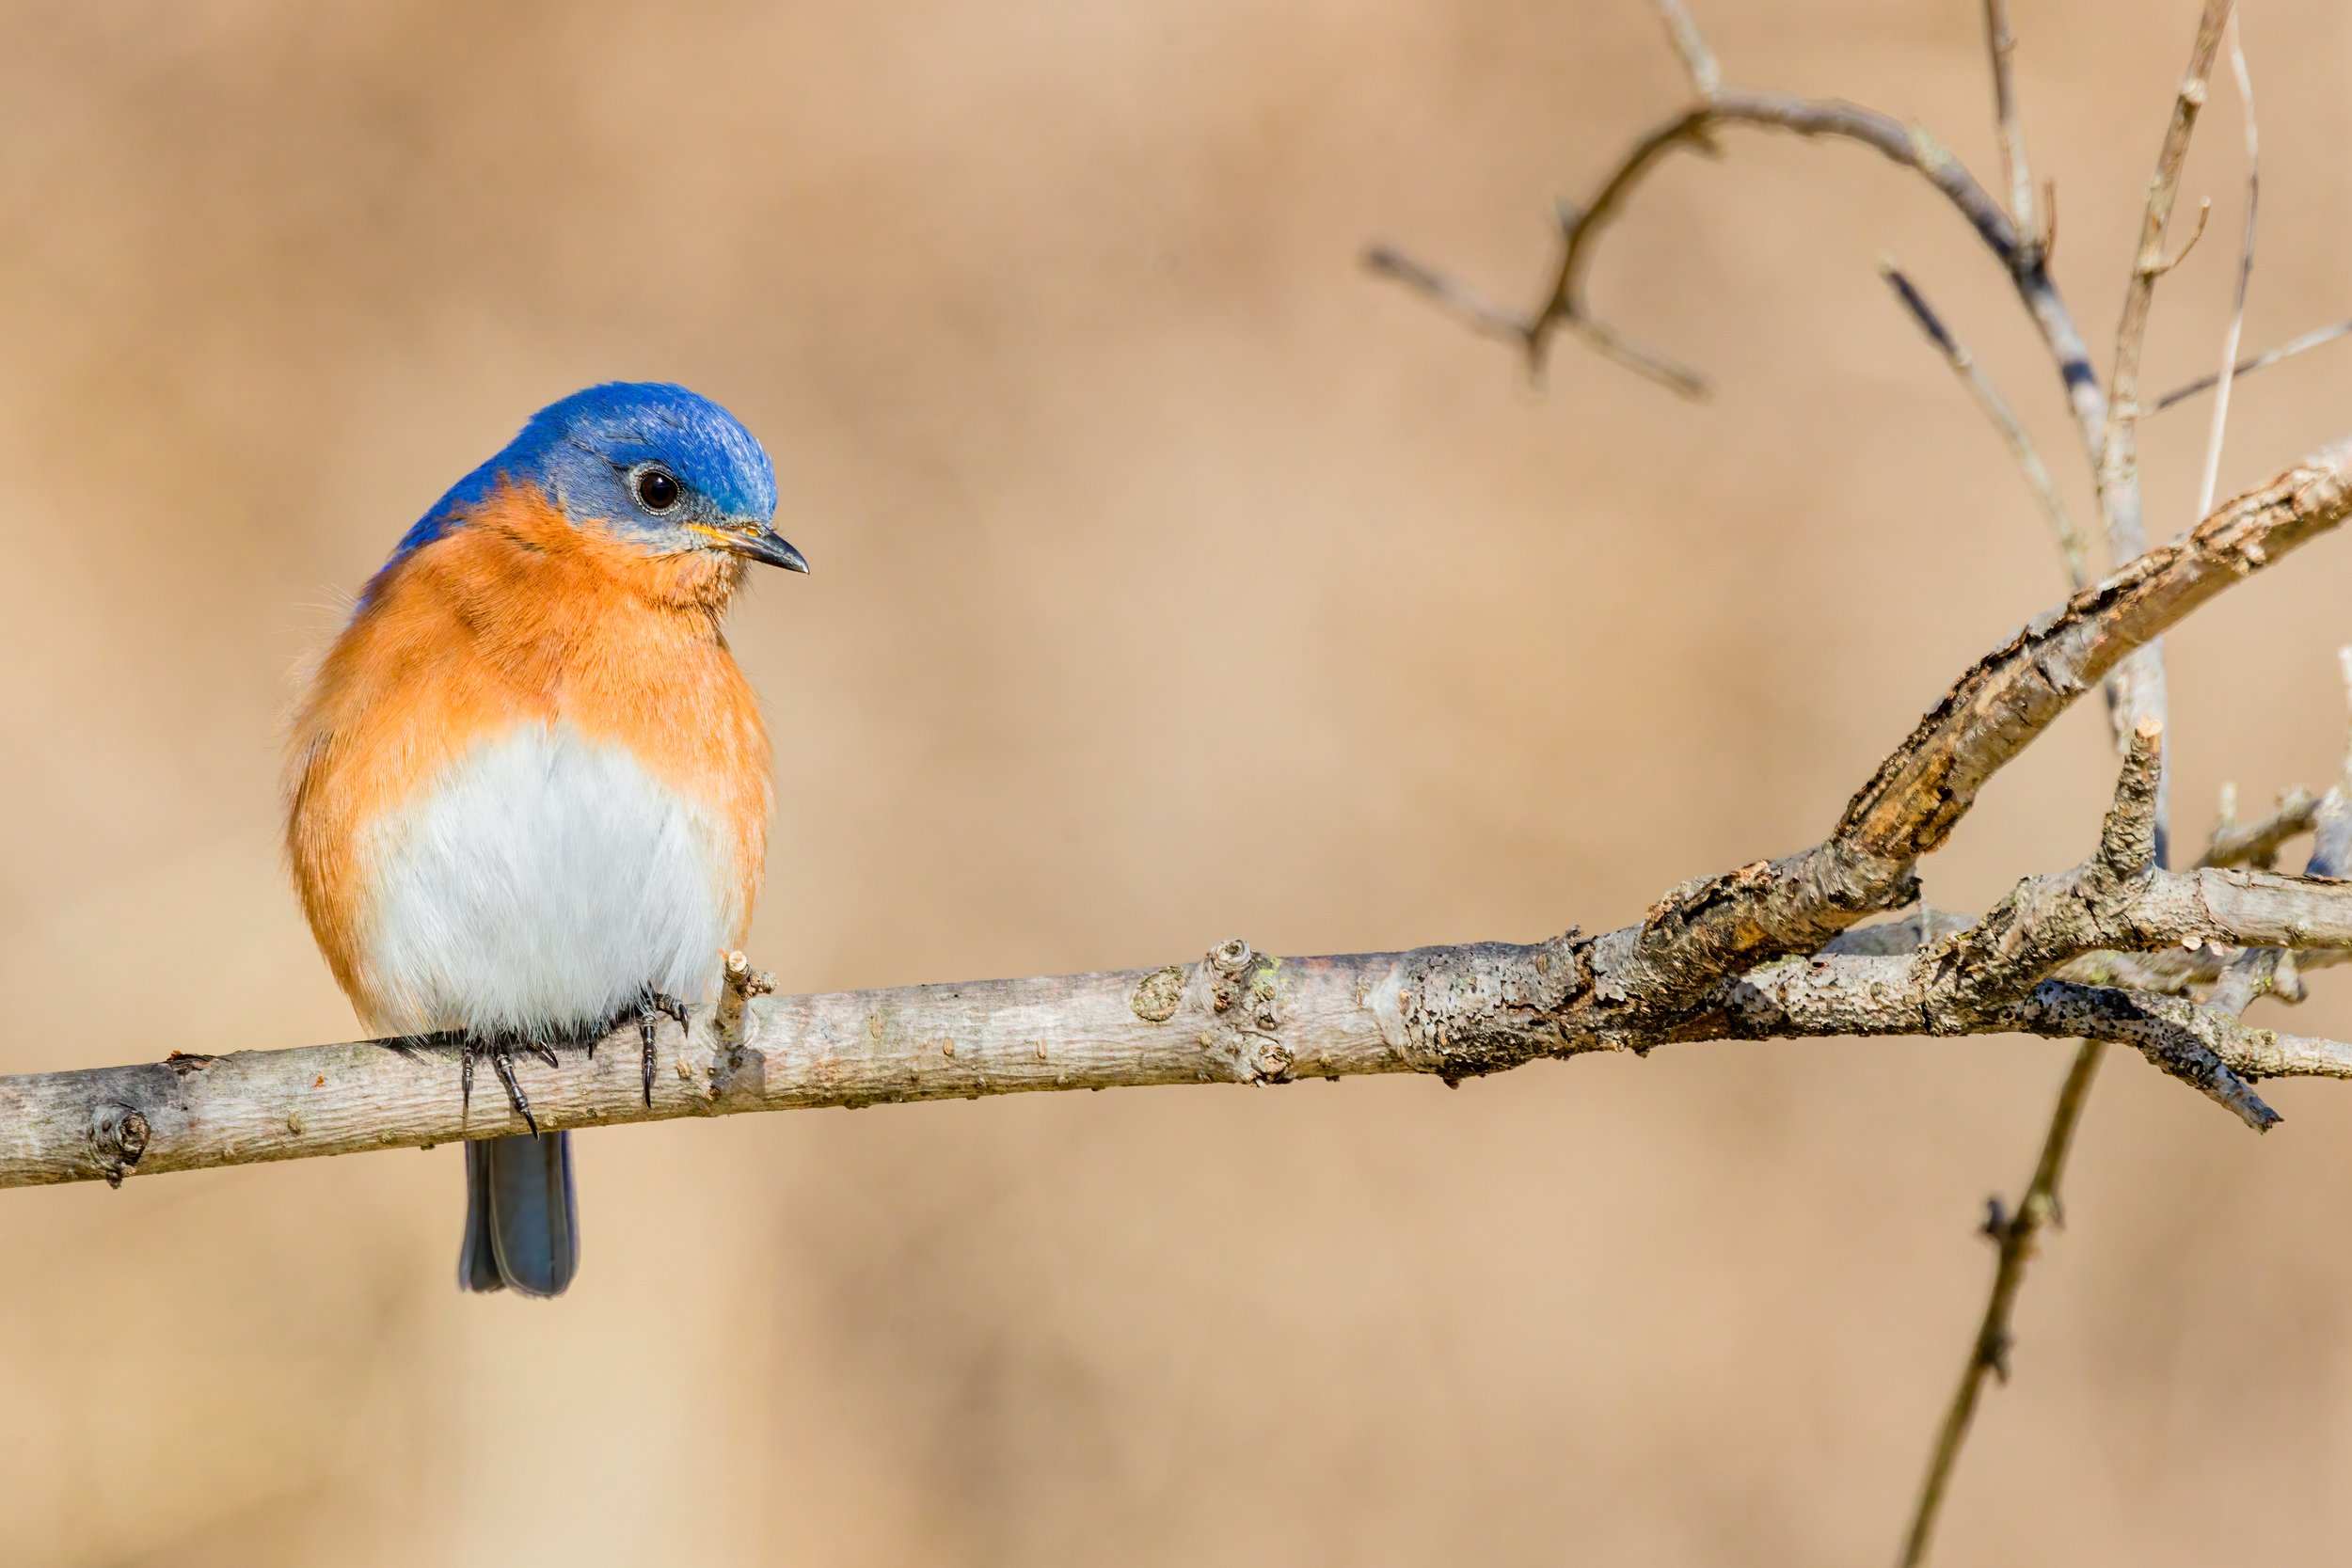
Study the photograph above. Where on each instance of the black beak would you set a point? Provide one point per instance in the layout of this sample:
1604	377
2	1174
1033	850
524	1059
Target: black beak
759	542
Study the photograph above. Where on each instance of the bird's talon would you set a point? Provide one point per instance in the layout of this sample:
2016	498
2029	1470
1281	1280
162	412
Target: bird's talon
652	1006
502	1058
502	1054
646	1026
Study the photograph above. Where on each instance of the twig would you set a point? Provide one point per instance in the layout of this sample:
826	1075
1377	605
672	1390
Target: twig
2258	843
2015	1234
738	982
1698	61
1463	304
1964	364
2317	338
2248	974
2008	124
2138	690
2119	462
2245	273
2024	255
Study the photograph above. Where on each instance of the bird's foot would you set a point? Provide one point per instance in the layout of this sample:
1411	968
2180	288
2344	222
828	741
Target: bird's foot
652	1006
501	1049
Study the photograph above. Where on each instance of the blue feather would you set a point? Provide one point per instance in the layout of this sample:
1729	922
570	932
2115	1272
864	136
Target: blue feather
581	450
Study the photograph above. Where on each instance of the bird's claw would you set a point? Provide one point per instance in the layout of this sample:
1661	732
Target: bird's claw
652	1006
501	1049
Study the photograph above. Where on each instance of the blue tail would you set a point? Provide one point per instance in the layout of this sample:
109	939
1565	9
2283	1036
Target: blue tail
522	1226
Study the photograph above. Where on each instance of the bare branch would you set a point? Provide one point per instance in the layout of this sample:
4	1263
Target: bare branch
2250	975
1908	147
1234	1017
1706	77
2119	461
2171	971
2015	1234
2244	271
1724	925
2258	843
1921	790
2197	231
2138	690
2008	124
1463	303
2024	259
1456	1013
1964	364
1880	997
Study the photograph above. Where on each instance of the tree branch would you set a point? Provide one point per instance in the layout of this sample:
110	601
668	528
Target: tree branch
2024	255
2139	686
1236	1017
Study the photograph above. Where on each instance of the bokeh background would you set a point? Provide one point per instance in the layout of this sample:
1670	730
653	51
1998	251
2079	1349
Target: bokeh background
1174	579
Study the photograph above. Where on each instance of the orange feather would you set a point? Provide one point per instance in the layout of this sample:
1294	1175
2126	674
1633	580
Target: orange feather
518	615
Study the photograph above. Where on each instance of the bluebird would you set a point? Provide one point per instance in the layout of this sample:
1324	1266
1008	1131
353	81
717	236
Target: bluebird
528	787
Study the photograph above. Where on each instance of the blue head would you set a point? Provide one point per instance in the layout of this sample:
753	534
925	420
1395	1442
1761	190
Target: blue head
653	464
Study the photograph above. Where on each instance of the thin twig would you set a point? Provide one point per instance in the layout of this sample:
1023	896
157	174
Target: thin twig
2258	843
1964	364
2245	273
2023	255
2015	1234
1564	304
2316	338
2008	124
1463	304
2119	461
1706	77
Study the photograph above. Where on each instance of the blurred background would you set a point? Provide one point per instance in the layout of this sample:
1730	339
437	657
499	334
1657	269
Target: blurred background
1053	317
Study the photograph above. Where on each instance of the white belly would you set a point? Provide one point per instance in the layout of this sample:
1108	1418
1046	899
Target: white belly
537	884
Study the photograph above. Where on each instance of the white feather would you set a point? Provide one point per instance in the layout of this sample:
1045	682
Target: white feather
537	884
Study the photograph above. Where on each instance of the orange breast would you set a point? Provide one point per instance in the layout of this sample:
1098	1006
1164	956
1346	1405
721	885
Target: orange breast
516	617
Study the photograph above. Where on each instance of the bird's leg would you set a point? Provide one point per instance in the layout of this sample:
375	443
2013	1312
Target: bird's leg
651	1007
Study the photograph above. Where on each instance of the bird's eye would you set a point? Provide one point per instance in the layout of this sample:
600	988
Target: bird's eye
657	490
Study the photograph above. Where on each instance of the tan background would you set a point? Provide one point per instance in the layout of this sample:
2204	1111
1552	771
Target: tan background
1173	580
